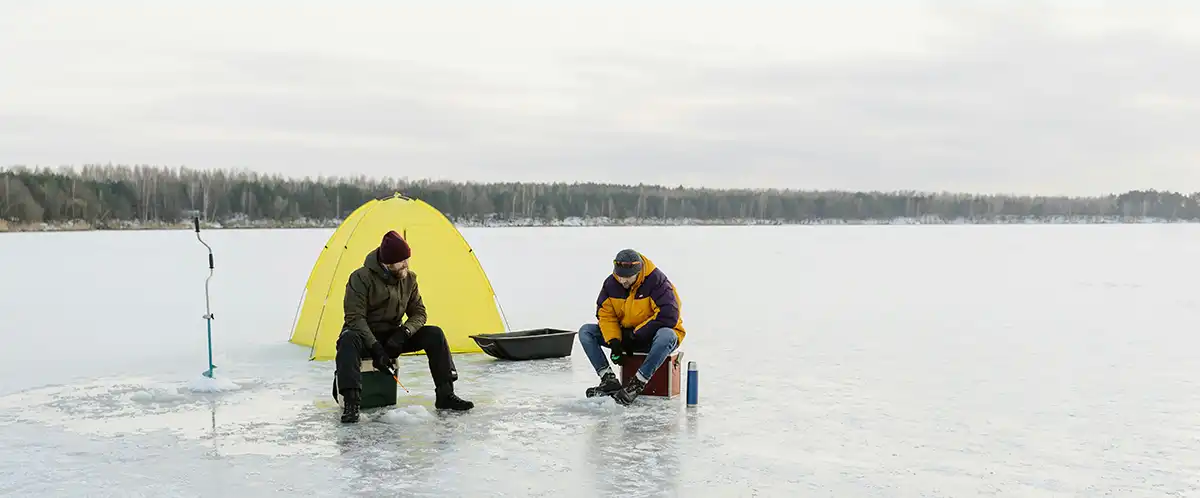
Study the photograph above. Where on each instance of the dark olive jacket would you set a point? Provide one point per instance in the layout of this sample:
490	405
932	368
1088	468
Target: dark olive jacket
377	303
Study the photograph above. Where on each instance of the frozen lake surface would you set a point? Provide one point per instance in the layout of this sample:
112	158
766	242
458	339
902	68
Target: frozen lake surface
835	361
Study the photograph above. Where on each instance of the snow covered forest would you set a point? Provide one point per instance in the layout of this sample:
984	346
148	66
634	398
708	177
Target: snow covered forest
128	197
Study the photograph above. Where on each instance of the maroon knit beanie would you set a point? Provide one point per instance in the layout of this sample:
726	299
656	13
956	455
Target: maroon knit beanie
393	249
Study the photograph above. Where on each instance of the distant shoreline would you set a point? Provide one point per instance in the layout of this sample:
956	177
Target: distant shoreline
114	197
80	226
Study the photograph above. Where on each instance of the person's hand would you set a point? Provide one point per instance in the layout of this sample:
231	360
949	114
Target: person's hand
639	335
396	342
380	359
618	352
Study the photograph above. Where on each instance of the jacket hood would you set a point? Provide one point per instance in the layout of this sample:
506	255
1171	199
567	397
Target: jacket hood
647	267
371	261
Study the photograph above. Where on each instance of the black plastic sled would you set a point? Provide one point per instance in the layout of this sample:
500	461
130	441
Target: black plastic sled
534	344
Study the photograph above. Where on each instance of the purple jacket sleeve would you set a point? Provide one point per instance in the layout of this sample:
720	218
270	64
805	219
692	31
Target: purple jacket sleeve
667	315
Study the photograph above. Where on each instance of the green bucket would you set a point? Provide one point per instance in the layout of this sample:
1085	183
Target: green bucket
378	388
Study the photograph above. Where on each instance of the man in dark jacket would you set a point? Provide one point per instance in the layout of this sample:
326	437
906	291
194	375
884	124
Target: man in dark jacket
378	296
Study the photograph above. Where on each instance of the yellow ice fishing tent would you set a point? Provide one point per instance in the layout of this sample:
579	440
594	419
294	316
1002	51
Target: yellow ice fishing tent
458	296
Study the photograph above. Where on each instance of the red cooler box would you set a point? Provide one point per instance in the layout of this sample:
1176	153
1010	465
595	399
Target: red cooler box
665	381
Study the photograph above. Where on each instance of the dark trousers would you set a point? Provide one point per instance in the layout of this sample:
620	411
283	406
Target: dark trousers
352	349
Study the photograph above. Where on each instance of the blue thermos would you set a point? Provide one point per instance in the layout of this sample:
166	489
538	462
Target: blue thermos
692	380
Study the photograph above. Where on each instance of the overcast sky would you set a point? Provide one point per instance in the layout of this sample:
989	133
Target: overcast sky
928	96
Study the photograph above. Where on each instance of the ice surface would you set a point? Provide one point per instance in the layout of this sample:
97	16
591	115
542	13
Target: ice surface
834	361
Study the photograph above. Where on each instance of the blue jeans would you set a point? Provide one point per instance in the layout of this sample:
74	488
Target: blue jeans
592	340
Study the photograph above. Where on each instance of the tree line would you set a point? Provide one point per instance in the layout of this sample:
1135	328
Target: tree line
108	196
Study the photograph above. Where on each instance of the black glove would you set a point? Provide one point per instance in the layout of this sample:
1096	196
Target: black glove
396	342
639	335
380	359
618	353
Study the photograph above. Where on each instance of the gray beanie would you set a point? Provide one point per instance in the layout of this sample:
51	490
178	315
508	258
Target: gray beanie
627	263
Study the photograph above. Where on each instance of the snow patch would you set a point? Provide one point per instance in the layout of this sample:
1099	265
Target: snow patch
204	384
406	415
153	395
599	405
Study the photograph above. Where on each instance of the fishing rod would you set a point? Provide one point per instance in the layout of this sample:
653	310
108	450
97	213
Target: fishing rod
395	372
208	316
397	379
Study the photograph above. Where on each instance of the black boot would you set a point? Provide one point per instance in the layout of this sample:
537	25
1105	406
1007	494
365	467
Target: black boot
351	398
608	385
627	394
447	400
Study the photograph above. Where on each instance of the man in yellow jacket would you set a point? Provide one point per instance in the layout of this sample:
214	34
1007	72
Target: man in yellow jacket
637	311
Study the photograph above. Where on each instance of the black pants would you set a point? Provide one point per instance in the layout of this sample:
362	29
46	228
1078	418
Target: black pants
351	350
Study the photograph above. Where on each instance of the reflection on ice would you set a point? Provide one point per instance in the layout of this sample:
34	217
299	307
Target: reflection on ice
256	418
531	423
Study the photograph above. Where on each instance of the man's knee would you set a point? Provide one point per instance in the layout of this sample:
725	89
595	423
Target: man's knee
666	336
430	334
589	329
348	339
590	334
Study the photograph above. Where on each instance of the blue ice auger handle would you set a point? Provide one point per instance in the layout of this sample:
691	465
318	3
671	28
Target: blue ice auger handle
208	316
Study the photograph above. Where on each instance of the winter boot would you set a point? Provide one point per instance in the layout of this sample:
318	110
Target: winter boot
627	394
351	398
447	400
608	385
